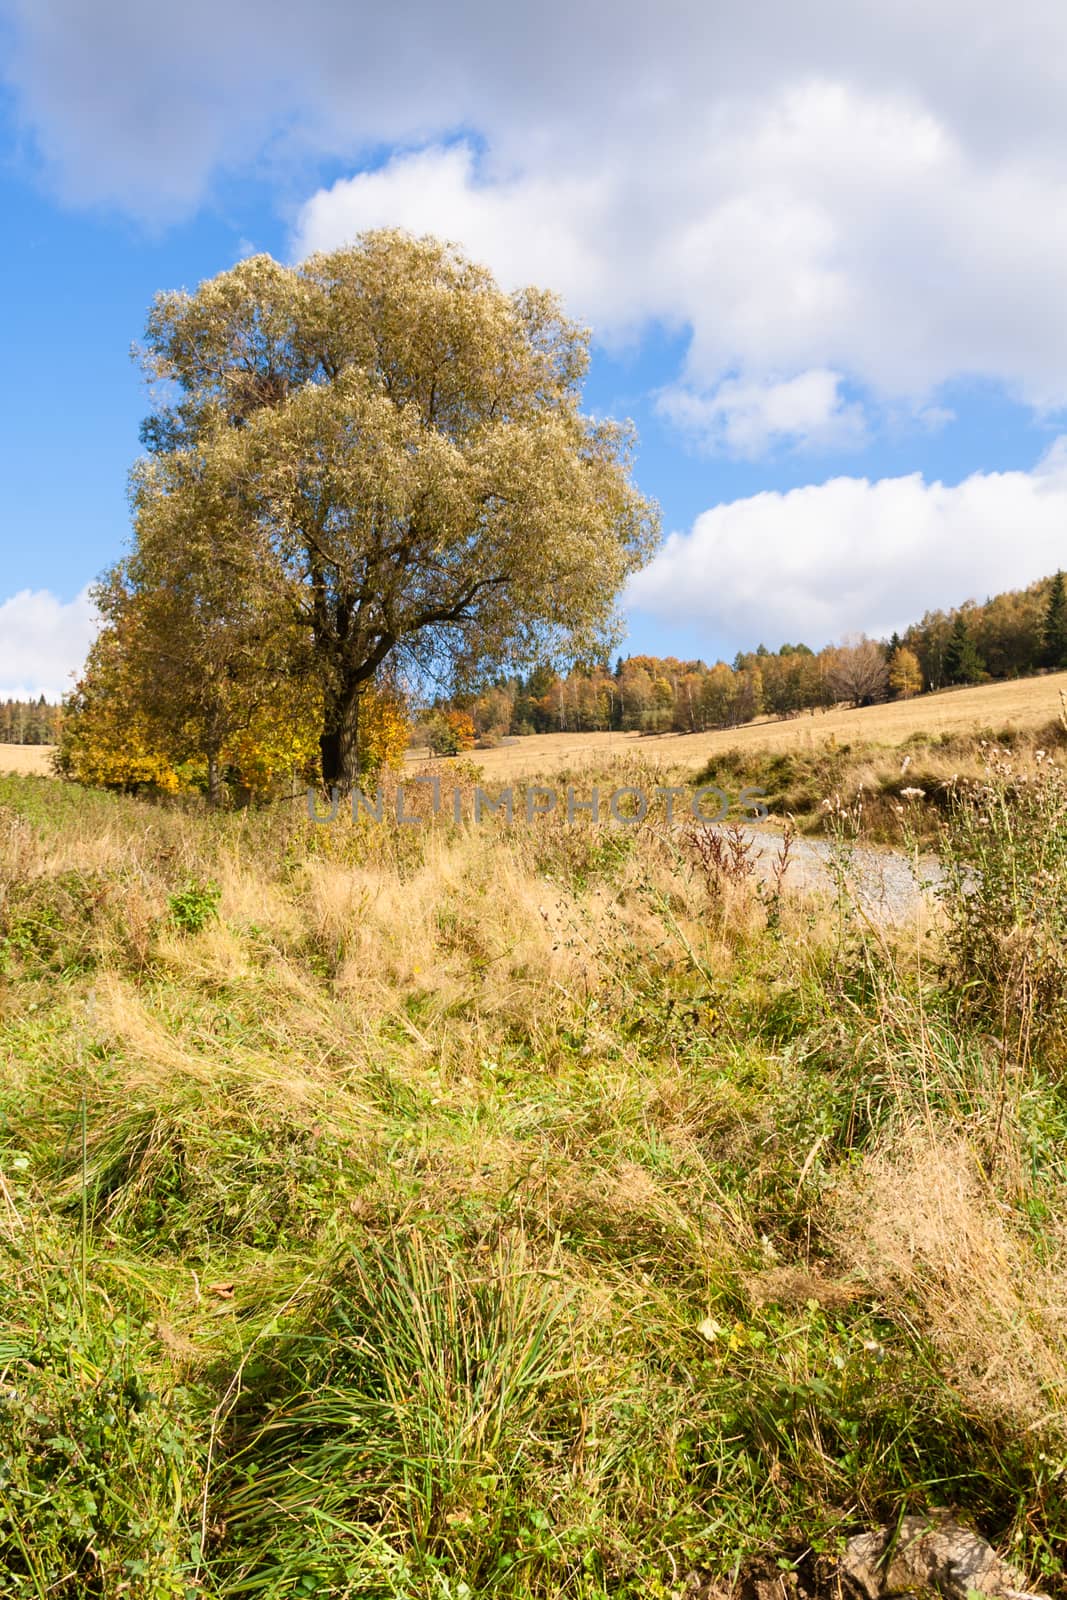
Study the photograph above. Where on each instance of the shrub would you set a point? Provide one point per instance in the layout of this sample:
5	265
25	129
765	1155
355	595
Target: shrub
449	733
1004	852
193	907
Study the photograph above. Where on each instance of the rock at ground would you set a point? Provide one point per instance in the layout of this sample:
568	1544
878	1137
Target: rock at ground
927	1554
921	1557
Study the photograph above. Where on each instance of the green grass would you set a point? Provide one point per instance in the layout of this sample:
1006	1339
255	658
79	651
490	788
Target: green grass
387	1213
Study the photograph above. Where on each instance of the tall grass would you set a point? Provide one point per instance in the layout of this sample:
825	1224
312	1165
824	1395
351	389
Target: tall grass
445	1212
799	779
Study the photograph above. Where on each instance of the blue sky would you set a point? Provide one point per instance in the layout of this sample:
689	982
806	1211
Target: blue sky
824	265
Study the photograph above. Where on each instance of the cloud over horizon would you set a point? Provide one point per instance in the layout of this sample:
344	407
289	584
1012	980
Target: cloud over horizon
851	555
811	564
822	226
43	641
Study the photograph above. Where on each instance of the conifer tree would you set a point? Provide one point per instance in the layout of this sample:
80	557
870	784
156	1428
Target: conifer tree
1054	626
963	664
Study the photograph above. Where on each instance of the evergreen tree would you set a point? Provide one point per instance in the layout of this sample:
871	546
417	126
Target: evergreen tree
1054	626
963	664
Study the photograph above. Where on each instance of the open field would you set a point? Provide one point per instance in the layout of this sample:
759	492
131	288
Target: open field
455	1213
35	758
1023	704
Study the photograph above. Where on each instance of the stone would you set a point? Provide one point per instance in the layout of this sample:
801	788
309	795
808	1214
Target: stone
924	1554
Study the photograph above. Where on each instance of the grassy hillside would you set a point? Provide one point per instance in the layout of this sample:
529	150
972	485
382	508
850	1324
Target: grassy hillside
1022	705
450	1212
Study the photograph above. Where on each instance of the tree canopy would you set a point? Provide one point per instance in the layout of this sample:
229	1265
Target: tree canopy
376	457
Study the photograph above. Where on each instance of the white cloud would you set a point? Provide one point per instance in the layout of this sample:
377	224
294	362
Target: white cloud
745	418
873	192
817	231
853	555
43	640
528	229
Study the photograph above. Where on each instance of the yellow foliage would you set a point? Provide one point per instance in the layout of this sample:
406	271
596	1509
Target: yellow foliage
109	739
462	726
383	729
106	738
281	740
905	673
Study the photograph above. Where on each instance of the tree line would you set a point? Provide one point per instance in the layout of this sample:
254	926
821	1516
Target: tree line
29	721
1012	635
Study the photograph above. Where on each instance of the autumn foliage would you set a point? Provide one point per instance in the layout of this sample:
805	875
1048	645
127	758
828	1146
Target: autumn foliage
114	737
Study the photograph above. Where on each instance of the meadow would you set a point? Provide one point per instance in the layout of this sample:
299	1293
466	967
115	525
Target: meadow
27	758
1022	706
448	1212
868	759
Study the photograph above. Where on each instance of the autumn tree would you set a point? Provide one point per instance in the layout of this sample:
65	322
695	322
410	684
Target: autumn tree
191	678
748	694
636	691
448	732
1007	632
493	710
719	696
29	722
108	738
905	673
160	706
929	639
857	671
689	714
406	462
215	646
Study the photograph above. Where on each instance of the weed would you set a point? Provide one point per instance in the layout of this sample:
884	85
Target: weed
1005	893
194	906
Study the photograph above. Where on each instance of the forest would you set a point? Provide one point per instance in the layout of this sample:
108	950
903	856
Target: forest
1012	635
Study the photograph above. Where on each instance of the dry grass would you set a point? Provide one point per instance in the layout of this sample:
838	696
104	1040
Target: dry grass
1021	705
921	1224
27	758
1025	704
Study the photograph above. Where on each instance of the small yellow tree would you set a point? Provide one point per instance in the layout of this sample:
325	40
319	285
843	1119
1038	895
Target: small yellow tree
113	736
384	726
905	673
108	739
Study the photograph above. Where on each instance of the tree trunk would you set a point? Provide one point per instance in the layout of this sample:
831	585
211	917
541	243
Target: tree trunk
339	741
214	781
